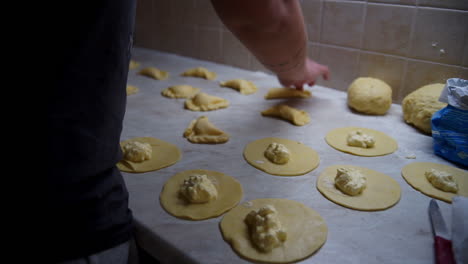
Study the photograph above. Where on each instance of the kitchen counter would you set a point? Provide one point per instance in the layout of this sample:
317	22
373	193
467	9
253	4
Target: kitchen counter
401	234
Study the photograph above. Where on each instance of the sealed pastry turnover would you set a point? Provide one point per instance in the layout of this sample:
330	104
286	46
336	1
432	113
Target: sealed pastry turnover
131	89
205	102
155	73
180	91
200	72
295	116
243	86
278	93
201	130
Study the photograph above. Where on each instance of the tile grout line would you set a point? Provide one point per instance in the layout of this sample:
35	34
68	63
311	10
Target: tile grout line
401	5
361	41
404	76
385	54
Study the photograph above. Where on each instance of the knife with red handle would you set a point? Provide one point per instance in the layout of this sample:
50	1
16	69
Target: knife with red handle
442	245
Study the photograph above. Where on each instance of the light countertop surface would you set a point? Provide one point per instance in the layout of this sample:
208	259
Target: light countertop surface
400	234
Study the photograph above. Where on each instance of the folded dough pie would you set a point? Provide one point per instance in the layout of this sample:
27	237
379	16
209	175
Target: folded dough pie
205	102
180	91
133	65
200	72
154	73
277	93
296	116
132	89
243	86
201	130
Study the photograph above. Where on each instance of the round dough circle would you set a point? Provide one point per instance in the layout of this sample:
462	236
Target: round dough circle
413	173
381	192
229	195
303	159
370	96
384	144
306	231
164	154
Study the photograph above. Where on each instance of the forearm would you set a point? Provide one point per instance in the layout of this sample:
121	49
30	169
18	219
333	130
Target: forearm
273	30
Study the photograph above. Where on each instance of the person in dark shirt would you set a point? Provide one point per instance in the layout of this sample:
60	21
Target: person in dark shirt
87	202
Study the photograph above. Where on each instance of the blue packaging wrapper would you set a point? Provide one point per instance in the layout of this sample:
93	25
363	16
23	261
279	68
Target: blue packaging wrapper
450	124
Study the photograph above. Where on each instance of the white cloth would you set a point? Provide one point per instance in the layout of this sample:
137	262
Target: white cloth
455	93
460	229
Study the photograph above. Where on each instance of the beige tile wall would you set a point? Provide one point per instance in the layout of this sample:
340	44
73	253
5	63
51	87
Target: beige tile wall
407	43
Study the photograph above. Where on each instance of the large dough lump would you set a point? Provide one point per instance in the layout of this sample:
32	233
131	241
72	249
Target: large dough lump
370	96
420	105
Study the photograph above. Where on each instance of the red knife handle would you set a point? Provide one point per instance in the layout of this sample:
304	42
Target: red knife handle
443	249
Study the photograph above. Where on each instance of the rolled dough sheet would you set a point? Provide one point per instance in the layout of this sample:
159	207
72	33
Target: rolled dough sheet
413	173
381	192
229	195
303	158
384	144
306	231
164	154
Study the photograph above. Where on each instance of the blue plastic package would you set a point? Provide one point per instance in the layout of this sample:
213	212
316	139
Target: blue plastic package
450	124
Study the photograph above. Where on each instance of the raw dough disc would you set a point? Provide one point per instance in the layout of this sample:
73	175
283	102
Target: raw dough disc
381	192
229	195
303	158
306	231
164	154
384	144
413	173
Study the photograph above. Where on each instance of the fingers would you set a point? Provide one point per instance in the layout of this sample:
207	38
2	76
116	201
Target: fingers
326	74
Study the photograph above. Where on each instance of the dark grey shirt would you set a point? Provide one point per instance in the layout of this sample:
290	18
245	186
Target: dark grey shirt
87	201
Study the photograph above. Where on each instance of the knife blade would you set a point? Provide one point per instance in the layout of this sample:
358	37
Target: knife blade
442	242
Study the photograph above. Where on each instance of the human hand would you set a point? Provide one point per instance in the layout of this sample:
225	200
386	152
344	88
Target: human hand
308	73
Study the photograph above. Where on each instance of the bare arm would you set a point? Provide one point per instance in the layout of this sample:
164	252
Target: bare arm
274	31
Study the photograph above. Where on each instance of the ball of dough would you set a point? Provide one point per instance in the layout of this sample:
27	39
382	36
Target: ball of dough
370	96
421	104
